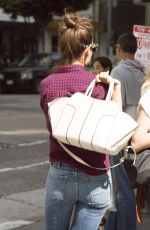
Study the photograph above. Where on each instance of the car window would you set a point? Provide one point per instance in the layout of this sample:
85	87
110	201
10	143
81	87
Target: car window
39	60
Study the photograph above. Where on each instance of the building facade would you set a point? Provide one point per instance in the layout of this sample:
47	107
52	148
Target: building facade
17	38
110	18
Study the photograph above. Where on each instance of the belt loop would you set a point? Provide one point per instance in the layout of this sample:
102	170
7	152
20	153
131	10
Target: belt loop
57	163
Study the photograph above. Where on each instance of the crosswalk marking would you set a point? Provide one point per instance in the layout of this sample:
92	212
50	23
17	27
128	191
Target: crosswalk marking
24	167
24	132
14	224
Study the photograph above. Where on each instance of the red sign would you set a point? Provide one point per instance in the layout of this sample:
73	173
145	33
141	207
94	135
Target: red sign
141	29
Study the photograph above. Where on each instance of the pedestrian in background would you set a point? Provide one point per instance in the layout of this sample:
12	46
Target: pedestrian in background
141	141
102	64
131	75
71	185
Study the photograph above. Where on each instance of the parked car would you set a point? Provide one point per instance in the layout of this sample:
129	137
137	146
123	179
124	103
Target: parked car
28	74
3	65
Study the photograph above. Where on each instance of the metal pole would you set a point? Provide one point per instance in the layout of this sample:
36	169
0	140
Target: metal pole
109	31
147	14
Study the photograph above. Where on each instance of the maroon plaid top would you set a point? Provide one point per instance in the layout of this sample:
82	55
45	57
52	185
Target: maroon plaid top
64	82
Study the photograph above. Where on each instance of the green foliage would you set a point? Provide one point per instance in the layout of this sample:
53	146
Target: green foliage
41	10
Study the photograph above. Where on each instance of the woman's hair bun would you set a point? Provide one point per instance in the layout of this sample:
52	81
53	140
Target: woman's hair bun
70	22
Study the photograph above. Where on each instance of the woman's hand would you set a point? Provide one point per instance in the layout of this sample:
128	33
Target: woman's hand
105	78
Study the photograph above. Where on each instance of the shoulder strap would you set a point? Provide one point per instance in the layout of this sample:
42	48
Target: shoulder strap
84	163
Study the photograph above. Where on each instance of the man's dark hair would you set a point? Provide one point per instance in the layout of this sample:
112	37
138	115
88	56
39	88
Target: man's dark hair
127	42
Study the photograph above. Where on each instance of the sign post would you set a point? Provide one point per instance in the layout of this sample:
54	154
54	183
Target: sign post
142	33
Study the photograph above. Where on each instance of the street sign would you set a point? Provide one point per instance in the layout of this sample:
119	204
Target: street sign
142	33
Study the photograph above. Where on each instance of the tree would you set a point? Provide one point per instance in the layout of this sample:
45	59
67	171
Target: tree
42	10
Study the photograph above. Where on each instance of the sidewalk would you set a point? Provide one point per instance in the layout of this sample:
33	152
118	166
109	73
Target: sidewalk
21	209
40	225
24	211
146	223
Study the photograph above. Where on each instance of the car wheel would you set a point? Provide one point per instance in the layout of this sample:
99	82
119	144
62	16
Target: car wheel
37	86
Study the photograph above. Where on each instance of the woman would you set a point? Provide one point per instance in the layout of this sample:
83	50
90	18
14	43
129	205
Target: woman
141	137
102	64
76	196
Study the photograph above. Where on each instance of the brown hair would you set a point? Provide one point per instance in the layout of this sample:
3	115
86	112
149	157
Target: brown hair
75	34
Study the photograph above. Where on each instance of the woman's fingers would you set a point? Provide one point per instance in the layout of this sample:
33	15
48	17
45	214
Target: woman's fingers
103	77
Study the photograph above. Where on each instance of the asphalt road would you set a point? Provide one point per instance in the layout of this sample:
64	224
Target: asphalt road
23	161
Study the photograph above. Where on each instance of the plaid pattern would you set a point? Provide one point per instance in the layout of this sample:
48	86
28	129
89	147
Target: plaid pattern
63	83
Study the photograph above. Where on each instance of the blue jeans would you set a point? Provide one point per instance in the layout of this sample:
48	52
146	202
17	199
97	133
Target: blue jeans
125	217
75	199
